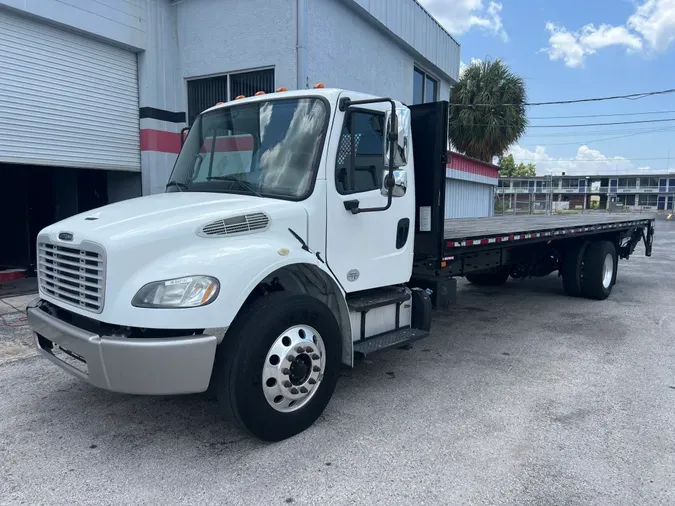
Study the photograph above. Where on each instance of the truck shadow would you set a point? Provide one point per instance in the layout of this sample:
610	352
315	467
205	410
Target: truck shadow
106	421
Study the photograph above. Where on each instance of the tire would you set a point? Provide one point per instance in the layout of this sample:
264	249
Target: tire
496	278
599	268
572	269
246	358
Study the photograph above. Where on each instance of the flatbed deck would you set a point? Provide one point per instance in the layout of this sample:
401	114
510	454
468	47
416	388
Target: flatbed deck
467	228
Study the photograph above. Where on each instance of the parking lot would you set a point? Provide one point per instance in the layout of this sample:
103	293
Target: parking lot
520	396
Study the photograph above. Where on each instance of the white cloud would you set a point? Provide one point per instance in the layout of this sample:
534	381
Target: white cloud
655	21
460	16
651	27
463	66
587	161
573	47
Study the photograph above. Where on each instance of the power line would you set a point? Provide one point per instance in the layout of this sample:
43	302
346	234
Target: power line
606	160
578	125
608	138
631	96
589	133
603	115
602	124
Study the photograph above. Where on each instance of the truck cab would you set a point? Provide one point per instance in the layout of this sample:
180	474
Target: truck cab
282	248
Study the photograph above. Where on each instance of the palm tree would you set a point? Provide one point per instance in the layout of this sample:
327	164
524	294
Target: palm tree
497	119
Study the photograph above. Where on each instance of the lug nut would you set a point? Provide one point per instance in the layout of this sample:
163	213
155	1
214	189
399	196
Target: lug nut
294	390
315	357
299	349
309	349
311	381
287	384
316	368
303	390
290	358
285	371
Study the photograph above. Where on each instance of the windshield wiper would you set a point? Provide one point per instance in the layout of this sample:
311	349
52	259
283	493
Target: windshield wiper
180	186
244	184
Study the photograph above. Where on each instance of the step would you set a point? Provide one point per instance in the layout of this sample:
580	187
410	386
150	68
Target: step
376	298
393	339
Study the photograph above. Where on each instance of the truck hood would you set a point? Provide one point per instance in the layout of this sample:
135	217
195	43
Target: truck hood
169	217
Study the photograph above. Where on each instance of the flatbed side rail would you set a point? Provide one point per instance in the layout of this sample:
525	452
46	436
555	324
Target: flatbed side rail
454	245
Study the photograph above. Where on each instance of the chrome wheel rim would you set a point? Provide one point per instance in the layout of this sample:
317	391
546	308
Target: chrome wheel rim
608	270
294	367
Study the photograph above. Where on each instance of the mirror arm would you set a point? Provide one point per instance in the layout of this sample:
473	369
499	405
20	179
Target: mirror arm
343	105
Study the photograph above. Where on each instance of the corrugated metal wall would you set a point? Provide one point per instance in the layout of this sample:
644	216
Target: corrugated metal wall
464	199
66	100
409	21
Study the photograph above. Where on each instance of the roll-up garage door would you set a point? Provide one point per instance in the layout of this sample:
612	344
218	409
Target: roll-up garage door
65	99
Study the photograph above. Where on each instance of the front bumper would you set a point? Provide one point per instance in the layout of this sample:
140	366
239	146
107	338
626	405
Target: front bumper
156	366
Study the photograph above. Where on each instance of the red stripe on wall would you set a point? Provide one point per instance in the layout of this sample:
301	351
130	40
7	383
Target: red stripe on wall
159	140
169	142
466	164
228	144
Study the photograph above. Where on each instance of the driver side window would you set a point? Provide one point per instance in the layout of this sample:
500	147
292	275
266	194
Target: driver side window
359	166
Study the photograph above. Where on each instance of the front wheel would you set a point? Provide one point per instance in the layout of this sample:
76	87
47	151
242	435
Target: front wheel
278	365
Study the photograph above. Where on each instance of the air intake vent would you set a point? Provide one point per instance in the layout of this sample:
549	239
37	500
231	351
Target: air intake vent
236	225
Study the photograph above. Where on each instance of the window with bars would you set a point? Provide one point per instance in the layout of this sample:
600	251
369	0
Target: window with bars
207	92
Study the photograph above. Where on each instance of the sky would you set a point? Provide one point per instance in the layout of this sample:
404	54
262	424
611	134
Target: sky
573	49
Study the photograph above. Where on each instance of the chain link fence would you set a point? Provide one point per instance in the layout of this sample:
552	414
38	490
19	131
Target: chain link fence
520	203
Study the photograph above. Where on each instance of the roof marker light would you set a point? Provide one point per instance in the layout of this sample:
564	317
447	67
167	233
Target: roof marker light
259	93
318	85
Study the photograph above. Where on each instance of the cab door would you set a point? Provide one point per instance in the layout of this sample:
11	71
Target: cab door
368	249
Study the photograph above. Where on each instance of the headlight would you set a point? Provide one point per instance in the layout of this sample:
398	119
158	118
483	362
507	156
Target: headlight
190	291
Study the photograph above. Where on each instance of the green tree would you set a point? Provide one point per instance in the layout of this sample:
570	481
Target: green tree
510	169
487	110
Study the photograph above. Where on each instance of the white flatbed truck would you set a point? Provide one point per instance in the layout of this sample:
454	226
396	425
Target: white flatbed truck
307	228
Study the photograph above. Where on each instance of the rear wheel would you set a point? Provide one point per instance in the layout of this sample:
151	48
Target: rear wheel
572	269
278	365
599	270
495	278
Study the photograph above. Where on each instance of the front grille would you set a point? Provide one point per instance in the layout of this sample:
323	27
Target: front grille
75	275
236	225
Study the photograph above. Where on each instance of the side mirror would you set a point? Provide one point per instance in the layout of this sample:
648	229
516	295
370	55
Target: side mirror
401	148
400	183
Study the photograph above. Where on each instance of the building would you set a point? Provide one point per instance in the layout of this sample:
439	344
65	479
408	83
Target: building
653	192
469	187
94	94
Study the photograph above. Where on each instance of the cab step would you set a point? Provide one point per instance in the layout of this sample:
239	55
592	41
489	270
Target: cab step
372	299
393	339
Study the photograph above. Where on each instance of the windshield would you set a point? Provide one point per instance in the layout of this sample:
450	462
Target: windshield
270	148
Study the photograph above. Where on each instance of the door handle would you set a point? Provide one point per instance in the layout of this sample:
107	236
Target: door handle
402	232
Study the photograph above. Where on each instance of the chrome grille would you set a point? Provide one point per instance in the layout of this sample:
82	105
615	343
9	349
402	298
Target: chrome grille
236	225
75	275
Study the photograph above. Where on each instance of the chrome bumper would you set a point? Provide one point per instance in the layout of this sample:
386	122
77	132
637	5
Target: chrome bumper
161	366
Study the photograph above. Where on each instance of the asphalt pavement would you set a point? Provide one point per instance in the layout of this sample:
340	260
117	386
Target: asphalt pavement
521	395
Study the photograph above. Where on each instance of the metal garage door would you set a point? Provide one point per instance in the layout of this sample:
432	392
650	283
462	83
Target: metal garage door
65	99
465	199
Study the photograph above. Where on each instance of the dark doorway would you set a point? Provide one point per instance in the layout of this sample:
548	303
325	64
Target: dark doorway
34	197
